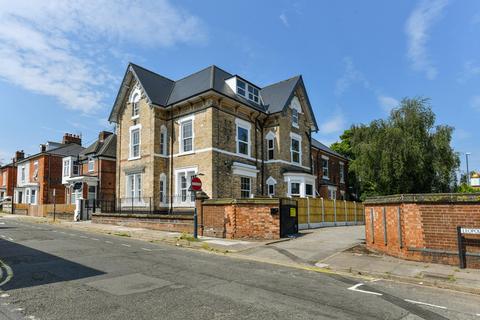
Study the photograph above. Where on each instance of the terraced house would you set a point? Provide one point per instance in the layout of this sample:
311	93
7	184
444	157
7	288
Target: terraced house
241	139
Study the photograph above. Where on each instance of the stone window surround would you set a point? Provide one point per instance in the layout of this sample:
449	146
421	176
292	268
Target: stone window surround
163	140
135	97
130	146
239	123
164	199
271	182
180	122
270	137
295	105
325	169
177	172
294	136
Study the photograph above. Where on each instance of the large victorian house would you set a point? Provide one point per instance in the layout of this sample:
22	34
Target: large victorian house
241	139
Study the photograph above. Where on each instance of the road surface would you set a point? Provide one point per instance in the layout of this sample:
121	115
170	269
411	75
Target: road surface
49	272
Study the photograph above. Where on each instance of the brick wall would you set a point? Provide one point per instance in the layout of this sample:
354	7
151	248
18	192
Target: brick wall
242	218
171	223
423	227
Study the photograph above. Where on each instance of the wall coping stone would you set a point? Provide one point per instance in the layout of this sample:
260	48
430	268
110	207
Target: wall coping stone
425	198
144	216
224	201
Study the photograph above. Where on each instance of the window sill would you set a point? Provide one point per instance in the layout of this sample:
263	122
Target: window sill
133	158
326	178
296	126
135	117
186	153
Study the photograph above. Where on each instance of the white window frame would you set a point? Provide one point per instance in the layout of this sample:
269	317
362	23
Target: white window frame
163	189
33	196
91	164
163	141
66	167
342	172
178	187
332	193
313	189
135	189
249	190
299	194
271	182
23	174
181	123
294	136
295	105
27	195
35	169
135	98
130	145
239	123
251	92
325	169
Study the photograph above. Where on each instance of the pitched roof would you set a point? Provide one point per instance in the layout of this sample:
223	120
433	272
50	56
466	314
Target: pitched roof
276	96
105	148
65	150
317	144
164	92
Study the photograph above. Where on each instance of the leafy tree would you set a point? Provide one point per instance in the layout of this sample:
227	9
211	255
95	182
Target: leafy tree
406	153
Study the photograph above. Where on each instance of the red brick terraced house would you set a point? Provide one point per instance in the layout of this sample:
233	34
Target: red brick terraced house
8	176
40	174
331	172
91	173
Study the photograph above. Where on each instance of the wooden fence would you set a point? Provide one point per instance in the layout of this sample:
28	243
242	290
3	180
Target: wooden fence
319	212
42	210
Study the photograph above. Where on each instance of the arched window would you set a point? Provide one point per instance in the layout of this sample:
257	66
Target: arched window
270	137
134	100
163	141
163	188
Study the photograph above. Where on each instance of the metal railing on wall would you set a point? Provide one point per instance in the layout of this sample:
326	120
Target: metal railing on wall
319	212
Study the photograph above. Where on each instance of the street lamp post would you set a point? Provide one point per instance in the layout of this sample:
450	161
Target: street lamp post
468	171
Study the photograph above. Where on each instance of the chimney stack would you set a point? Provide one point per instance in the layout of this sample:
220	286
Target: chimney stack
71	138
19	155
103	135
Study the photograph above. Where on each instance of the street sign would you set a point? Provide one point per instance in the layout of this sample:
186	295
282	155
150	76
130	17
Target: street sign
470	230
196	184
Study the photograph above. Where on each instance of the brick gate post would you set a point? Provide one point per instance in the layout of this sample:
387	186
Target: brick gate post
199	198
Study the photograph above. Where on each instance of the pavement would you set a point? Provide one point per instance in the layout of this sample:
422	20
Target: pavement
49	271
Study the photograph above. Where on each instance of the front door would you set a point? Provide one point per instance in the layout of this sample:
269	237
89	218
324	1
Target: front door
288	217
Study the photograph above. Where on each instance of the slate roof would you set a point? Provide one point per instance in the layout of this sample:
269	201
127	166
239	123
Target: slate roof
317	144
65	150
164	92
106	148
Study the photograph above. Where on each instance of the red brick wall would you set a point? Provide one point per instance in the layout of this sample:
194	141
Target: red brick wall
11	179
237	219
428	230
333	173
107	176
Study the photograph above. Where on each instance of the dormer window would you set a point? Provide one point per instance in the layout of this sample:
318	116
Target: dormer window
248	91
241	88
252	94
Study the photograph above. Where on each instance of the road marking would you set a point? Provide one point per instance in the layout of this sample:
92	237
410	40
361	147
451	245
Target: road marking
354	288
54	231
94	239
126	245
71	234
83	237
425	304
4	295
110	242
9	239
2	236
2	222
18	309
146	249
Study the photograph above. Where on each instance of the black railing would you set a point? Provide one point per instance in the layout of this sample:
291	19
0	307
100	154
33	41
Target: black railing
181	204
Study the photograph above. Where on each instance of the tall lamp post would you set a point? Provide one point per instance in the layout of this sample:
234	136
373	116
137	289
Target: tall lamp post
468	171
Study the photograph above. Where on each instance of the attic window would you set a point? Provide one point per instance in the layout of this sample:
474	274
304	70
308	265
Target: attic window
248	91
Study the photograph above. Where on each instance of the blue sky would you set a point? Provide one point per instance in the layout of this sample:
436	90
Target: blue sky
61	63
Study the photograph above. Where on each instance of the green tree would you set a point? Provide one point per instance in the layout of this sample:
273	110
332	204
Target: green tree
405	153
